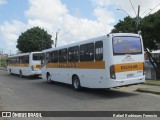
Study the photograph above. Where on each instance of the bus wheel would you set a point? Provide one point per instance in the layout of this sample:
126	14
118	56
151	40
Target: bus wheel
20	74
76	83
49	78
10	71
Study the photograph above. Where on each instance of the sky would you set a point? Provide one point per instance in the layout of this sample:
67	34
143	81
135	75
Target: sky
76	20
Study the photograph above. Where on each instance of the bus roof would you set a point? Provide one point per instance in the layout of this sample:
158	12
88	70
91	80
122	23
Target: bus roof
91	40
23	54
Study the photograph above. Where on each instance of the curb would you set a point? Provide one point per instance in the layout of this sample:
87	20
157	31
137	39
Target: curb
147	91
151	84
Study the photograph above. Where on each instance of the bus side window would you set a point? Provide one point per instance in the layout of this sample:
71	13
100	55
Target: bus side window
43	59
17	60
20	60
54	56
73	54
27	59
23	59
63	55
9	60
87	52
99	51
48	57
91	52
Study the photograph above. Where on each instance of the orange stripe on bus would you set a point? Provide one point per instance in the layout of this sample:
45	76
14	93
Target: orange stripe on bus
38	66
80	65
128	67
19	65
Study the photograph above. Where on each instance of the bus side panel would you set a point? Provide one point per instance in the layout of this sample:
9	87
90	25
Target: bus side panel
88	78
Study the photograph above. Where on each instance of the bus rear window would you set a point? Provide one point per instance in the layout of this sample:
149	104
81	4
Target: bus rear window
127	45
37	56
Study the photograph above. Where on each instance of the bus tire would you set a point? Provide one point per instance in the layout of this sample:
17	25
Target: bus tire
49	78
76	83
10	71
20	74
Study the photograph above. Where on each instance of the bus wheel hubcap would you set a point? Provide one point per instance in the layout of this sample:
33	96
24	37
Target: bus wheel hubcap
49	78
76	83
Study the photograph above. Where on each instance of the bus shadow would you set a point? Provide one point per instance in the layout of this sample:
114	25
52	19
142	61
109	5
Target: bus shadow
68	90
84	93
24	77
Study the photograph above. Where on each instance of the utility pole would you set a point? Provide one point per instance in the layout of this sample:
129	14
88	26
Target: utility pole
56	38
10	52
137	21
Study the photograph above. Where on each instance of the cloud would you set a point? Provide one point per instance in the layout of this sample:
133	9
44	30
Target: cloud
126	5
9	33
46	10
103	15
60	17
53	15
2	2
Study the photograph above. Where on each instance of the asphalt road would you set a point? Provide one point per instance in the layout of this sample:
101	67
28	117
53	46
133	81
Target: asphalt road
24	94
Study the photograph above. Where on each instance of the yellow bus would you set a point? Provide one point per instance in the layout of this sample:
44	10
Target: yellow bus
104	62
26	64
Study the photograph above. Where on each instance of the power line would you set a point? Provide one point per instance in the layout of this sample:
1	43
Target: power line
153	9
132	7
145	12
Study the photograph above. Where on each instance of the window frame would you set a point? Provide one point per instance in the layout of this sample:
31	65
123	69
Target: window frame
87	52
101	49
63	55
73	57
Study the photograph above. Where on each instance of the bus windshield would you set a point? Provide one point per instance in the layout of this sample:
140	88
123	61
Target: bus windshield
37	56
126	45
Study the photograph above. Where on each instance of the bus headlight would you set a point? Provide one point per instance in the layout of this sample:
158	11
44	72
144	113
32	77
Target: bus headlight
32	67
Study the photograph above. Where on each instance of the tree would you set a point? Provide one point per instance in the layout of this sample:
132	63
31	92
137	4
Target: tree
150	27
127	25
34	39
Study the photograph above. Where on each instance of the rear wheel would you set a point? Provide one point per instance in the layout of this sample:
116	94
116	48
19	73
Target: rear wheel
20	74
49	78
10	71
76	83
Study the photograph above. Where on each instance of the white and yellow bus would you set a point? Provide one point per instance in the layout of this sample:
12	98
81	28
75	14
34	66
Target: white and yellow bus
26	64
103	62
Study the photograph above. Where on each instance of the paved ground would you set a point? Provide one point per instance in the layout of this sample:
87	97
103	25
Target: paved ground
141	88
23	94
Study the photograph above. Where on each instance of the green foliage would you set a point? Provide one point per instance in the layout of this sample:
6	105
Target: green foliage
34	39
150	27
128	25
3	64
152	82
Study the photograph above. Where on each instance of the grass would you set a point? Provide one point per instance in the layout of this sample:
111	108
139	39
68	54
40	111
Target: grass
152	82
3	64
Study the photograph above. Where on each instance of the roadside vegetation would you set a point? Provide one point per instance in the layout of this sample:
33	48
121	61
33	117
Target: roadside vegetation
3	64
152	82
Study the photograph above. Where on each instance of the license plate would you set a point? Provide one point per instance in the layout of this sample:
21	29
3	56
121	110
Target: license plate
129	75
